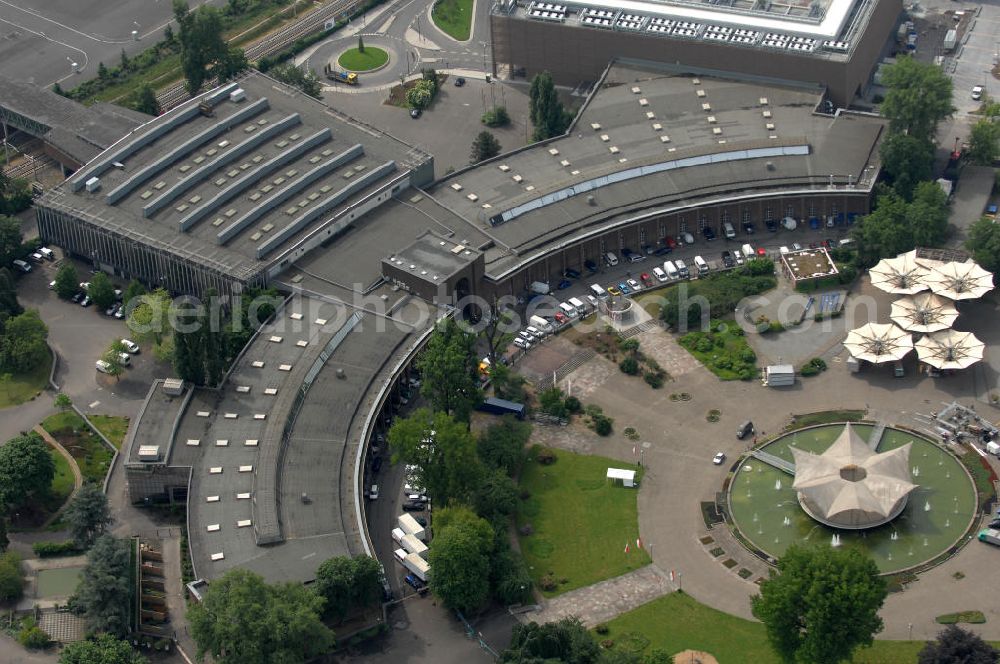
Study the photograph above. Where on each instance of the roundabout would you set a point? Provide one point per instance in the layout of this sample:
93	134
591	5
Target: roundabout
905	511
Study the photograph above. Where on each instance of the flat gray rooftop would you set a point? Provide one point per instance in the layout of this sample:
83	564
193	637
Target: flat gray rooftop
651	141
82	132
155	422
236	188
244	492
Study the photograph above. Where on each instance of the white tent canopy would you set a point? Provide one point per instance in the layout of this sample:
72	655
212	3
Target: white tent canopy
878	342
901	274
950	349
626	476
924	312
960	281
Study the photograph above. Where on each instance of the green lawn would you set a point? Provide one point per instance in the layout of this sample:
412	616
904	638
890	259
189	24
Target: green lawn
114	428
22	387
454	17
90	452
581	521
676	622
355	60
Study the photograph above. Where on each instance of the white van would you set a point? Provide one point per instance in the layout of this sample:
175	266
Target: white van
700	263
729	230
568	309
47	253
611	259
748	251
670	269
660	274
688	238
540	323
578	305
682	269
783	250
598	292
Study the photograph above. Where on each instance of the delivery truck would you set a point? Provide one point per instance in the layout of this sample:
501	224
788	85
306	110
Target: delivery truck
779	375
340	76
418	566
411	526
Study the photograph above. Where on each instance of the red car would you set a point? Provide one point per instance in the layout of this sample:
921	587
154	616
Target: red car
761	251
646	280
561	317
670	242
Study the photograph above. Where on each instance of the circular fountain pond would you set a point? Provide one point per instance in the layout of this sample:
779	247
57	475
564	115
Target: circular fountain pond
938	512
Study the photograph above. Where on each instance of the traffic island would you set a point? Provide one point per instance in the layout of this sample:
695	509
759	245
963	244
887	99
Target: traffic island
369	60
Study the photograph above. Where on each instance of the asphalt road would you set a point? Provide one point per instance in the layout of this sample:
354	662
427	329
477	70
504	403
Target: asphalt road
40	39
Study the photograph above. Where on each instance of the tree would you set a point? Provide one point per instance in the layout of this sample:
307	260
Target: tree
11	577
420	95
984	138
100	649
984	243
484	146
113	361
230	64
10	239
955	645
133	290
67	281
450	370
822	605
507	384
907	160
509	576
361	44
125	63
101	291
189	342
918	97
23	344
4	540
496	117
460	558
502	444
928	212
144	100
495	497
200	36
102	71
347	583
63	402
497	325
9	306
565	641
147	316
246	621
106	587
88	515
885	231
299	77
547	113
443	451
26	469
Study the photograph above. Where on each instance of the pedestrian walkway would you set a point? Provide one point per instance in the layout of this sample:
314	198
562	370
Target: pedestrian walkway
876	438
63	626
606	600
773	460
77	476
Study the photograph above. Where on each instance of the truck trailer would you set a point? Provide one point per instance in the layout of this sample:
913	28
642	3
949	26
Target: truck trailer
411	526
413	545
340	76
418	566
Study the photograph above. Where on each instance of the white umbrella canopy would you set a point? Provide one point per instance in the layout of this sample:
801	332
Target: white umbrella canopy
878	342
960	281
901	275
950	349
924	312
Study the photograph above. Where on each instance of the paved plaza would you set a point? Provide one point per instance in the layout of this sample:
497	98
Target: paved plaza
677	444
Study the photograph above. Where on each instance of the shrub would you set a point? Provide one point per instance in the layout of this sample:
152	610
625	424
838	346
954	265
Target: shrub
603	425
775	326
809	370
546	456
573	405
496	117
629	365
601	629
654	378
11	577
848	273
551	401
548	583
51	549
33	637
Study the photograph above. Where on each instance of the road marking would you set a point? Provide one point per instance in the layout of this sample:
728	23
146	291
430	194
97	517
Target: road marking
95	404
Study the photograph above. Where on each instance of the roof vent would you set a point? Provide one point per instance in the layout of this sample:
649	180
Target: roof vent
591	200
770	165
340	373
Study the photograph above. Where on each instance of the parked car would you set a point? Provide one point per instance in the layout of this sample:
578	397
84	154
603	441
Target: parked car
570	273
772	225
85	302
727	259
459	82
564	284
414	113
977	92
796	246
102	366
738	255
590	265
76	298
647	281
623	287
120	314
521	343
130	346
613	290
561	318
414	506
748	227
52	285
708	233
660	275
687	238
719	458
410	578
376	464
634	285
110	311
